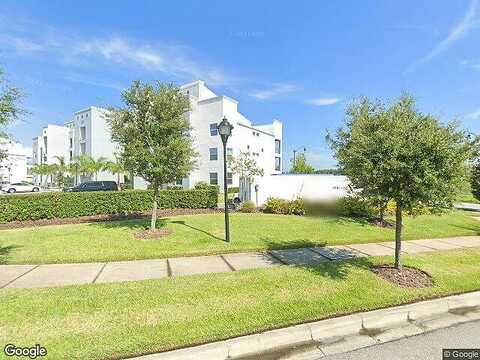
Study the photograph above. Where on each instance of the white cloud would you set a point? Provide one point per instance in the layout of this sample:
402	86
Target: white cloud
458	31
276	89
20	44
66	49
473	115
323	101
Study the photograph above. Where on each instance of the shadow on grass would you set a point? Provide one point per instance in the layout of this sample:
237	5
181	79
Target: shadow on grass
273	244
138	224
182	222
5	251
476	229
338	269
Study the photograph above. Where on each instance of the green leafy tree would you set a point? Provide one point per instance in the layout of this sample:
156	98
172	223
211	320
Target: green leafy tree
300	165
10	110
244	166
475	179
154	135
398	153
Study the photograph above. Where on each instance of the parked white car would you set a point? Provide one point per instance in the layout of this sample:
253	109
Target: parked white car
19	187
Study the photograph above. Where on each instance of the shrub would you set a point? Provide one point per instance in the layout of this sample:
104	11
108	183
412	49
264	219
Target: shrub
354	206
247	207
284	207
74	204
233	190
202	185
296	207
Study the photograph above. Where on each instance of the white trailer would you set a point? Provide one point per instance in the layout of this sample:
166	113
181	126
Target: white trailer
315	187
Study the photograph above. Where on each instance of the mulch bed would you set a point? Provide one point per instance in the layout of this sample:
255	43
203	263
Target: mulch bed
384	224
152	234
100	218
405	276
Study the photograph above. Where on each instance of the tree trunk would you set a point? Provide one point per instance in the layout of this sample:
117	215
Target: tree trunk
398	235
153	223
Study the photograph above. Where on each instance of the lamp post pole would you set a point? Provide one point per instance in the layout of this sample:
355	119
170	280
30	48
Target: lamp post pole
225	192
225	130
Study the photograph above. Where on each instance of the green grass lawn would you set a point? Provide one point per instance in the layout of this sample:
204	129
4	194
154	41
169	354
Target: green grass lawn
113	320
203	234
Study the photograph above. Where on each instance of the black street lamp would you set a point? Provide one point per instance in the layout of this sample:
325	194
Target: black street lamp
225	130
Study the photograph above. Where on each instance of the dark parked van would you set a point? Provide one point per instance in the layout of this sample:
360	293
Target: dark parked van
94	186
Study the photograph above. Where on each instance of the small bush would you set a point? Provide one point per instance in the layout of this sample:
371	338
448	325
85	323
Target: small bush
247	207
75	204
354	206
202	185
233	190
284	207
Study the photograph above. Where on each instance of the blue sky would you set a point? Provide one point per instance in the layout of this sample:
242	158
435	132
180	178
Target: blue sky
299	61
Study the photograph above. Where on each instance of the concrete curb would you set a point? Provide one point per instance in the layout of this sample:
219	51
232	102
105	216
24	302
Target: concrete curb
340	334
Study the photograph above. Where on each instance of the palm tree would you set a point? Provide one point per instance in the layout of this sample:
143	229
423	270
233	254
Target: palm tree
61	168
82	164
115	167
39	169
98	165
45	169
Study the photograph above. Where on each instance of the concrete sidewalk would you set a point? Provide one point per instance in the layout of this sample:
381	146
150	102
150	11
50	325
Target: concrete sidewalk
37	276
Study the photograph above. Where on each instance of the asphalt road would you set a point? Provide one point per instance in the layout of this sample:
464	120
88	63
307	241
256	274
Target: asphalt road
421	347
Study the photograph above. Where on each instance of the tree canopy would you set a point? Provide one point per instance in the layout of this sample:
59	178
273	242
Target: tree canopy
300	165
245	166
395	152
154	134
10	97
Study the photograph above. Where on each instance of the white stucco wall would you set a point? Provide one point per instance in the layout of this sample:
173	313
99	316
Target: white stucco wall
308	187
208	109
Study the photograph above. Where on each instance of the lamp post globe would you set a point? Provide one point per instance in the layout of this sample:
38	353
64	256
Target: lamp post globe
225	130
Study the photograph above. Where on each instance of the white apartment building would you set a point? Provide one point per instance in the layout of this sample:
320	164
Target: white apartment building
88	133
14	168
262	142
52	142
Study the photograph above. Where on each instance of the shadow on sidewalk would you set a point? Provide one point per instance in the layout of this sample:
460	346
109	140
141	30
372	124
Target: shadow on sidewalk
334	269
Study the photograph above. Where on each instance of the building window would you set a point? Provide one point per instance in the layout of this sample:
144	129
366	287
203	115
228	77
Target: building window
179	182
213	130
71	155
214	178
83	133
278	164
229	153
278	146
213	154
229	178
71	142
83	148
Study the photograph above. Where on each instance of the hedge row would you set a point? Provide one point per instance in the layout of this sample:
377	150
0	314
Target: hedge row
66	205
